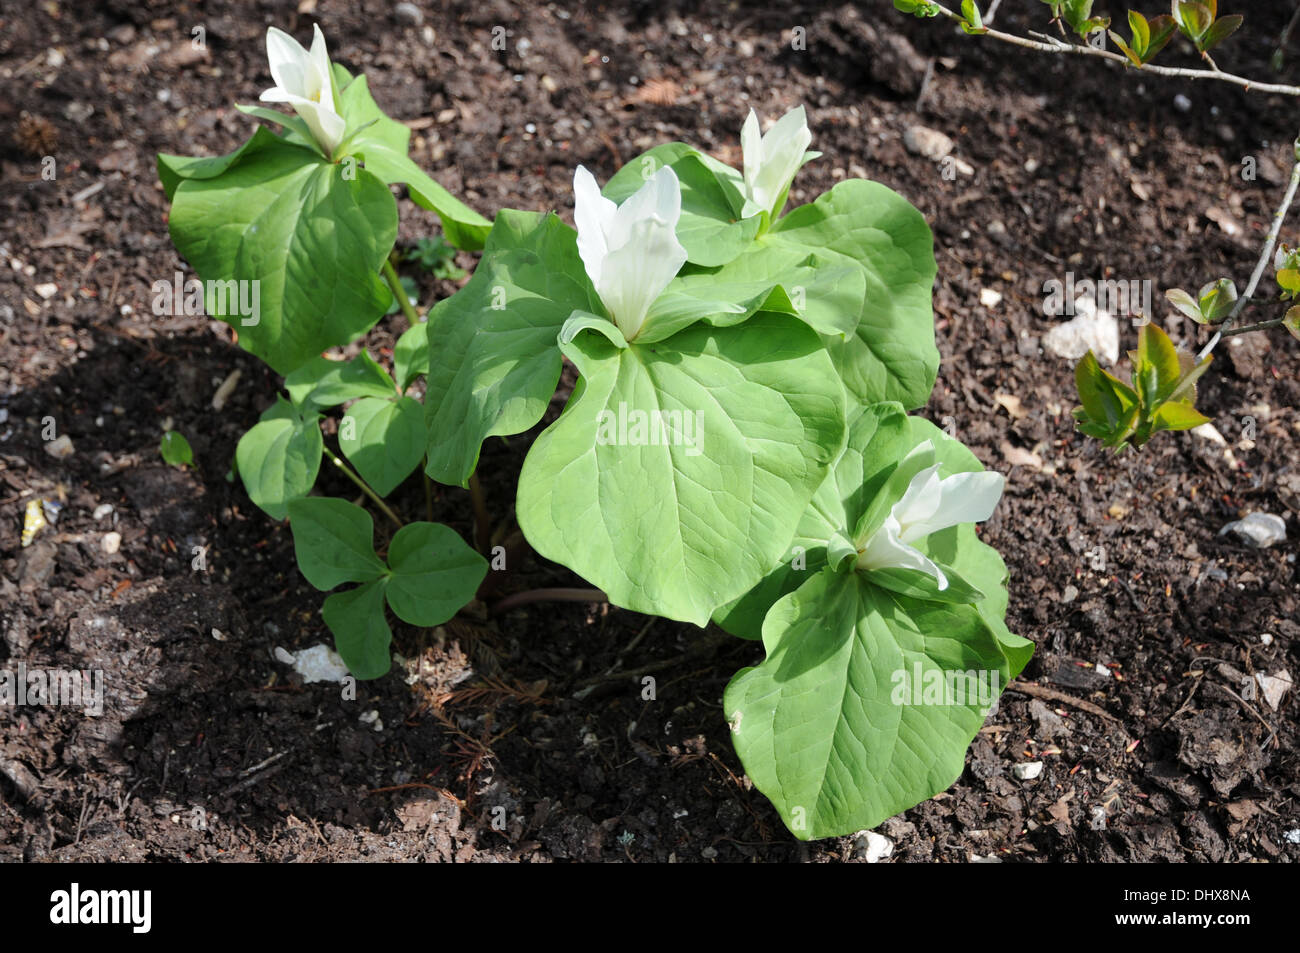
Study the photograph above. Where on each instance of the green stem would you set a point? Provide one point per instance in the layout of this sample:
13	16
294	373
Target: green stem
395	284
365	487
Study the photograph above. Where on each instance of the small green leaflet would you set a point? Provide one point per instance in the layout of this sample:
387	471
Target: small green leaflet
430	575
278	459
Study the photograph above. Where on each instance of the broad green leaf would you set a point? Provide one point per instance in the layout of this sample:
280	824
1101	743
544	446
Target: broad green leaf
384	439
835	725
866	480
323	383
334	542
361	633
878	439
435	573
493	359
890	353
827	291
172	169
411	355
1221	30
677	474
1178	415
382	144
278	459
312	239
1155	349
175	449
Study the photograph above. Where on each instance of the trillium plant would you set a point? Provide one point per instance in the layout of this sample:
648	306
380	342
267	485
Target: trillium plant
737	450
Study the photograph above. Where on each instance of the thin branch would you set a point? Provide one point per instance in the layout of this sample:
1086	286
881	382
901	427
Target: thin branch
365	487
1265	259
1261	326
1049	45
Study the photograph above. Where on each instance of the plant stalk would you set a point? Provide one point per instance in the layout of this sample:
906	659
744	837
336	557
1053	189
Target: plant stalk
399	293
365	487
482	518
547	595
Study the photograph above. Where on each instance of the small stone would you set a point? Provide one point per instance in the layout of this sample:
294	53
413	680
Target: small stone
1027	771
1274	686
102	510
1211	433
1091	329
1266	638
1182	103
408	14
219	635
930	143
1031	165
47	290
1260	530
990	298
1069	594
709	853
111	543
60	448
1102	670
872	847
319	663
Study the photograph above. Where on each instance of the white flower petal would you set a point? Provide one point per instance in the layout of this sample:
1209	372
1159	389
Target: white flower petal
288	61
593	214
320	62
960	498
771	164
884	550
630	252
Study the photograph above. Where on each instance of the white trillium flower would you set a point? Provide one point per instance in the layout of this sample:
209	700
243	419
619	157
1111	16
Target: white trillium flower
930	504
302	79
772	160
630	251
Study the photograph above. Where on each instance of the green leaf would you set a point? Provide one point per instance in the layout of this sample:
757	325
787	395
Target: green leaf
1291	321
1218	299
890	353
278	459
493	359
1220	31
411	355
334	542
680	518
1185	303
435	573
299	133
1156	351
173	169
309	236
383	145
974	23
361	633
384	439
710	228
828	726
1163	29
1178	415
323	383
878	439
175	449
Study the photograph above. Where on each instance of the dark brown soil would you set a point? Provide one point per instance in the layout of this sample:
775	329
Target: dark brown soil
206	750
